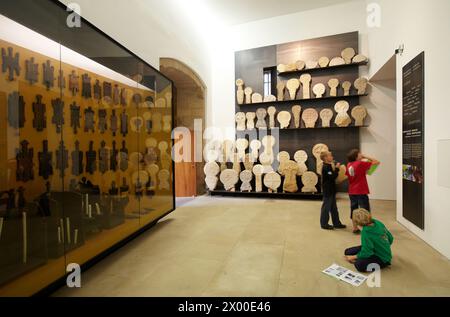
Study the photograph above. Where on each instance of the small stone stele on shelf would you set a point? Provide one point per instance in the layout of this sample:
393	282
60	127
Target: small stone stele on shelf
342	119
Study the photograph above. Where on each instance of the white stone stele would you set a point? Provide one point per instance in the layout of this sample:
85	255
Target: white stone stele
293	85
317	151
296	112
333	84
300	65
211	182
250	116
281	87
229	179
310	117
164	179
248	95
248	162
241	147
337	61
272	181
261	115
346	85
236	163
289	171
312	64
167	123
213	150
271	111
228	151
284	118
326	115
361	85
359	113
258	171
309	180
319	90
360	59
266	161
268	142
240	121
342	119
348	54
240	96
246	177
281	68
157	122
305	79
257	98
255	146
324	62
301	157
291	67
211	169
270	98
283	157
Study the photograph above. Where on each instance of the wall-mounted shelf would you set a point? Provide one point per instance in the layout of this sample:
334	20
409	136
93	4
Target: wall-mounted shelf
310	196
308	129
321	69
273	103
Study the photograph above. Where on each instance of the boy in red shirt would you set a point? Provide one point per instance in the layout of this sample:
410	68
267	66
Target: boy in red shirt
357	168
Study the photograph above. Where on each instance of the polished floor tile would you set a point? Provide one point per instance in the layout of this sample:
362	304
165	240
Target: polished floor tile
251	247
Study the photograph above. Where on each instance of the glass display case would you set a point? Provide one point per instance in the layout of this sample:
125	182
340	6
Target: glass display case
85	144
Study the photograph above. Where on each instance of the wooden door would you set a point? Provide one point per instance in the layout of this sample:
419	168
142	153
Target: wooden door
186	176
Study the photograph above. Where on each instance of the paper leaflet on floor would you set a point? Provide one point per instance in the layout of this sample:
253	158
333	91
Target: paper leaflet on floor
346	275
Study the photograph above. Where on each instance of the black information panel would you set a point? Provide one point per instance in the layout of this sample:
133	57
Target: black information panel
413	141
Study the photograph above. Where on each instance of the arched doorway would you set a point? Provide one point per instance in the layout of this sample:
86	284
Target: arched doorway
189	105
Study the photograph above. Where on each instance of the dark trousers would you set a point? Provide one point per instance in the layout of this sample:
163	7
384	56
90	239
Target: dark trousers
362	264
329	206
359	201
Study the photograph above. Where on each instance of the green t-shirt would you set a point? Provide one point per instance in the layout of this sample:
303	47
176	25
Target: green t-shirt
376	240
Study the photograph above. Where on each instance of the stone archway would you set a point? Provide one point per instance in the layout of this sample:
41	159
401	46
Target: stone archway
189	104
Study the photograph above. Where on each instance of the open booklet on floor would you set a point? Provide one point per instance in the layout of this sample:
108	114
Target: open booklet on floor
346	275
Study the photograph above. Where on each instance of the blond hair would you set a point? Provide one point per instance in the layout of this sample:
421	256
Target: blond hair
323	155
362	217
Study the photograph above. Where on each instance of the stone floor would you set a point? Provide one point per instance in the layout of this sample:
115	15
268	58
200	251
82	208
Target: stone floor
249	247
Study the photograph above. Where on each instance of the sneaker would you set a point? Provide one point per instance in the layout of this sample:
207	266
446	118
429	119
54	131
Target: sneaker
341	226
328	227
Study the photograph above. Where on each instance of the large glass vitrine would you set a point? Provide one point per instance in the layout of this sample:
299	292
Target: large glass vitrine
85	144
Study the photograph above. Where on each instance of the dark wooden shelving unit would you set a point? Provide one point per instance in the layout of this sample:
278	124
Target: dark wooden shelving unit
321	69
279	195
305	129
251	65
304	101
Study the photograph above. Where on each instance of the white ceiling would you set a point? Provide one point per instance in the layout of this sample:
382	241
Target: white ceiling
233	12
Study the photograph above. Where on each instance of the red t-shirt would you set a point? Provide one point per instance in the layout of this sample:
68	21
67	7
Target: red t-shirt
356	173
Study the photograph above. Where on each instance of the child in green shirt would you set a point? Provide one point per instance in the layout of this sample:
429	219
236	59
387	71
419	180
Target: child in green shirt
376	243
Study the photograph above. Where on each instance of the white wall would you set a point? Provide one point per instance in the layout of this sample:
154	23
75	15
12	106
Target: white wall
378	140
151	31
422	26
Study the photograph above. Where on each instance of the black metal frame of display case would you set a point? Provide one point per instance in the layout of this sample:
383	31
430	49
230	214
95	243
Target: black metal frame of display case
62	280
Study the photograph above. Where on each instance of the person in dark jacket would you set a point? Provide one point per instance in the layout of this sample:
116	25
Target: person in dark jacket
330	172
